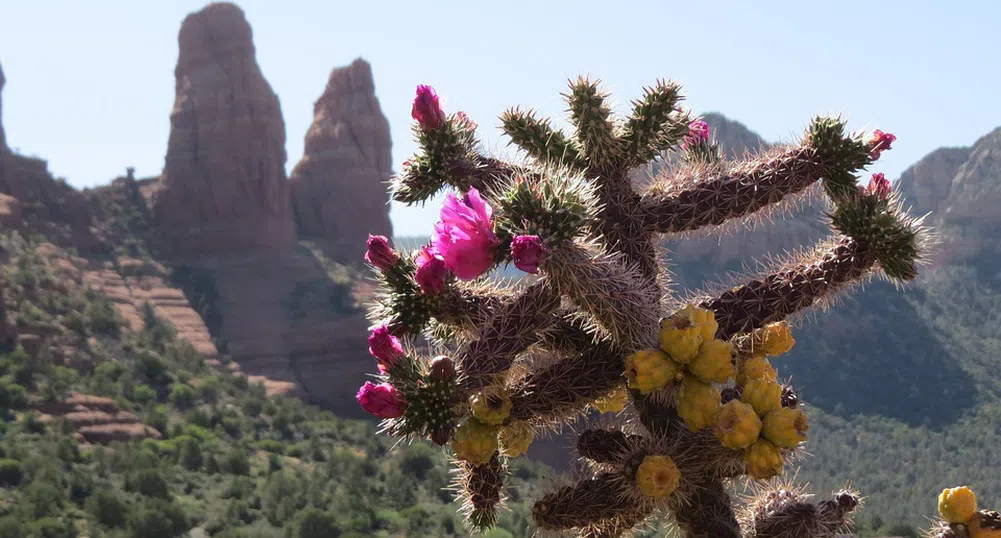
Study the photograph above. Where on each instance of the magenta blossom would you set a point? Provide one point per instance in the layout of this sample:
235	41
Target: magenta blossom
379	253
879	185
385	347
698	133
527	251
880	142
431	271
426	110
464	237
382	400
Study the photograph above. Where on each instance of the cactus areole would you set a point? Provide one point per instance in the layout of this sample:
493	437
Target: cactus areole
595	322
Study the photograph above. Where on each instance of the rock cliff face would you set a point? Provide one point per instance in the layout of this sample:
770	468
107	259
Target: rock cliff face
961	189
3	137
224	184
338	188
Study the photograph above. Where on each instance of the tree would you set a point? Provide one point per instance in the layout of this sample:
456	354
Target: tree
596	331
107	508
312	522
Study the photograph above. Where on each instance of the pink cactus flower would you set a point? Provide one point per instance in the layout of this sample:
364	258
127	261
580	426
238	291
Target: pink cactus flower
379	253
427	111
527	251
879	185
385	347
879	143
464	237
431	271
698	134
382	400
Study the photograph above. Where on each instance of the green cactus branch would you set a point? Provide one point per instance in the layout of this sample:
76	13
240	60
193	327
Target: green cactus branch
585	503
539	140
655	125
708	512
791	289
512	328
750	187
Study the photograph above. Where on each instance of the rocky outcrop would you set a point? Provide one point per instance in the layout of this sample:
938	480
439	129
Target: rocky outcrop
98	420
34	199
3	137
339	187
960	188
224	185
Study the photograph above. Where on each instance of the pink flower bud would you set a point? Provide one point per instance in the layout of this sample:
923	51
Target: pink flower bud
879	143
382	400
379	253
527	252
464	237
464	122
431	271
442	368
879	186
426	110
385	347
698	134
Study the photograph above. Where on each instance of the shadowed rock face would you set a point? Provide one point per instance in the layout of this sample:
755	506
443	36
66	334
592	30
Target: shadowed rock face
3	137
224	185
338	188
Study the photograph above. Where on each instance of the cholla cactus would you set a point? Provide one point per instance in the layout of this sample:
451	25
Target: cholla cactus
595	327
959	517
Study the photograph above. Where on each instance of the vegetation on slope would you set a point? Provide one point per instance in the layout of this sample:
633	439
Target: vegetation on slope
231	461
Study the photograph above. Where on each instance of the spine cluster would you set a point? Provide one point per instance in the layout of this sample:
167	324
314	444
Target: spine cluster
593	329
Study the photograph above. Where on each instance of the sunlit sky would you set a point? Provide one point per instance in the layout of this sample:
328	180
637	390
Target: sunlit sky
90	85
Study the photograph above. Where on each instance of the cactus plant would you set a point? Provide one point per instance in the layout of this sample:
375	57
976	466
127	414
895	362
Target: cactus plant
593	325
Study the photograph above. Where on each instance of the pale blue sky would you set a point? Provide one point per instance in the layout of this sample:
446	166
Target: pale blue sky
90	84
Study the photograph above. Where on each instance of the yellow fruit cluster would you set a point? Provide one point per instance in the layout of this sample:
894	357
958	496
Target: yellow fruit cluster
773	340
959	506
612	402
475	442
491	406
759	425
657	476
515	439
690	354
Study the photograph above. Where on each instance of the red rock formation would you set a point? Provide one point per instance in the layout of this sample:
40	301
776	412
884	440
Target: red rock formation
338	188
98	420
224	184
3	137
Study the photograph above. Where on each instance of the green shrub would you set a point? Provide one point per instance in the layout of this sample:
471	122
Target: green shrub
208	389
101	317
49	527
11	472
42	499
158	520
148	482
144	395
190	454
183	396
12	396
315	523
235	462
270	445
107	507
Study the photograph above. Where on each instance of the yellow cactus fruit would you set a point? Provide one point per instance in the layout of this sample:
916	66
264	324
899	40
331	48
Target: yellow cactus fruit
985	524
785	427
714	363
658	476
756	367
681	334
475	442
777	339
763	459
649	370
763	395
957	505
704	319
698	403
612	402
737	426
515	439
491	406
